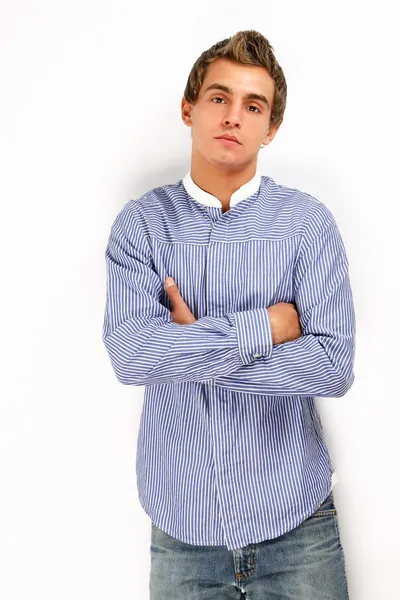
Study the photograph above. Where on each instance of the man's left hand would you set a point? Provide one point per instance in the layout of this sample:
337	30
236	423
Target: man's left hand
180	312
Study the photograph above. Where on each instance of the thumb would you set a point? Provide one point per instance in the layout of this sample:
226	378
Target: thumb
172	289
170	283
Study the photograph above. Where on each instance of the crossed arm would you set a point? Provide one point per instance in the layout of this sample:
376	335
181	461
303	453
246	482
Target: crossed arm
283	316
242	350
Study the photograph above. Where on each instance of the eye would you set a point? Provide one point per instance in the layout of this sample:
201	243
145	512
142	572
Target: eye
251	106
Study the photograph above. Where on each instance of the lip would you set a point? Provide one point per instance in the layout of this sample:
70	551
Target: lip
230	140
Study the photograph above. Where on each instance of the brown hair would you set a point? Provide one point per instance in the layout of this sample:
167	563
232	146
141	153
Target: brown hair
247	47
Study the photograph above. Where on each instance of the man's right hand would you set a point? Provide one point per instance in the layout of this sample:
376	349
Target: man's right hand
285	324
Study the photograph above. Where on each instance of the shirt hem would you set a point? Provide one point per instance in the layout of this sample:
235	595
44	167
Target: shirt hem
256	540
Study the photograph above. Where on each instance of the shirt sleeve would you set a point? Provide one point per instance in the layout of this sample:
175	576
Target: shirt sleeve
144	344
320	362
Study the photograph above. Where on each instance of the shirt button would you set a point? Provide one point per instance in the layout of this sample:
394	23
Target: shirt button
256	355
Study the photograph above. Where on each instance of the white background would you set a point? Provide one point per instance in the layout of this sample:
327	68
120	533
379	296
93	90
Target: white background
89	118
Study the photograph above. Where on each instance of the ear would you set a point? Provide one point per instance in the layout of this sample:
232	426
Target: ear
186	112
271	133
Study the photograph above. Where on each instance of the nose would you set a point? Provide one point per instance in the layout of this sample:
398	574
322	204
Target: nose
232	116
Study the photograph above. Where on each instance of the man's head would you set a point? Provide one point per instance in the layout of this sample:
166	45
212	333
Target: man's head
243	65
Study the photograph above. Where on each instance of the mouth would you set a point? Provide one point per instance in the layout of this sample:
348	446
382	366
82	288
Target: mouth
228	142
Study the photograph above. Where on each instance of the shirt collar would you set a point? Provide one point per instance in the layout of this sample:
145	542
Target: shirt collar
245	191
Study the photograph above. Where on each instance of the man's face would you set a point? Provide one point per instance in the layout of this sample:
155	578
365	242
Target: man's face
219	112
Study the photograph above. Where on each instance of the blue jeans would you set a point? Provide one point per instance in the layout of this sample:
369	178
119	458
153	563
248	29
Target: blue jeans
306	563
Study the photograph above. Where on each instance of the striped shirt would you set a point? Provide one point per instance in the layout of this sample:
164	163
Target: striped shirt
230	448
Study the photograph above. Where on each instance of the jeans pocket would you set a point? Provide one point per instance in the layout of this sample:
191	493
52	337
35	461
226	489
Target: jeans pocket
327	508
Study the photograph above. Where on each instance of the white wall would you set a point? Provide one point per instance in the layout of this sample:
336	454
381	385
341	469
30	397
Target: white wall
90	117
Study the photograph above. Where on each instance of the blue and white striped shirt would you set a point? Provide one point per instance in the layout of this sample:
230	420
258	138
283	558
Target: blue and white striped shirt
230	448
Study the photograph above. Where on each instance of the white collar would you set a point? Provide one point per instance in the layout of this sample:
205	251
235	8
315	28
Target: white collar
245	191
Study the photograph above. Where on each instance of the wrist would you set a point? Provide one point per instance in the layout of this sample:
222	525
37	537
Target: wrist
273	324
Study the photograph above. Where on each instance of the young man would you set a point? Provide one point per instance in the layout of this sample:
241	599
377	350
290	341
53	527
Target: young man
232	466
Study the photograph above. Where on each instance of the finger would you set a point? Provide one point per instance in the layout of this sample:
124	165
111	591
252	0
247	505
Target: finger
170	284
172	290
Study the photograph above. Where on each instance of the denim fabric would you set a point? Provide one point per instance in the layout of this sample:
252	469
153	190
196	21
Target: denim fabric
307	563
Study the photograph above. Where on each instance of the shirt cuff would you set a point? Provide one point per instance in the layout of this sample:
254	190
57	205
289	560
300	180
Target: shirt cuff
254	333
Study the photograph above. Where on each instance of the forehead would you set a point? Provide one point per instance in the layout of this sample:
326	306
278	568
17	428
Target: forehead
242	79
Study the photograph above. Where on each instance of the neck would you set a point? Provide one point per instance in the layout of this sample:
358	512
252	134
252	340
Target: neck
220	183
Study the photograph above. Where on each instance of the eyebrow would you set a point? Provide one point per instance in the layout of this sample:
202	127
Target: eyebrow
224	88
